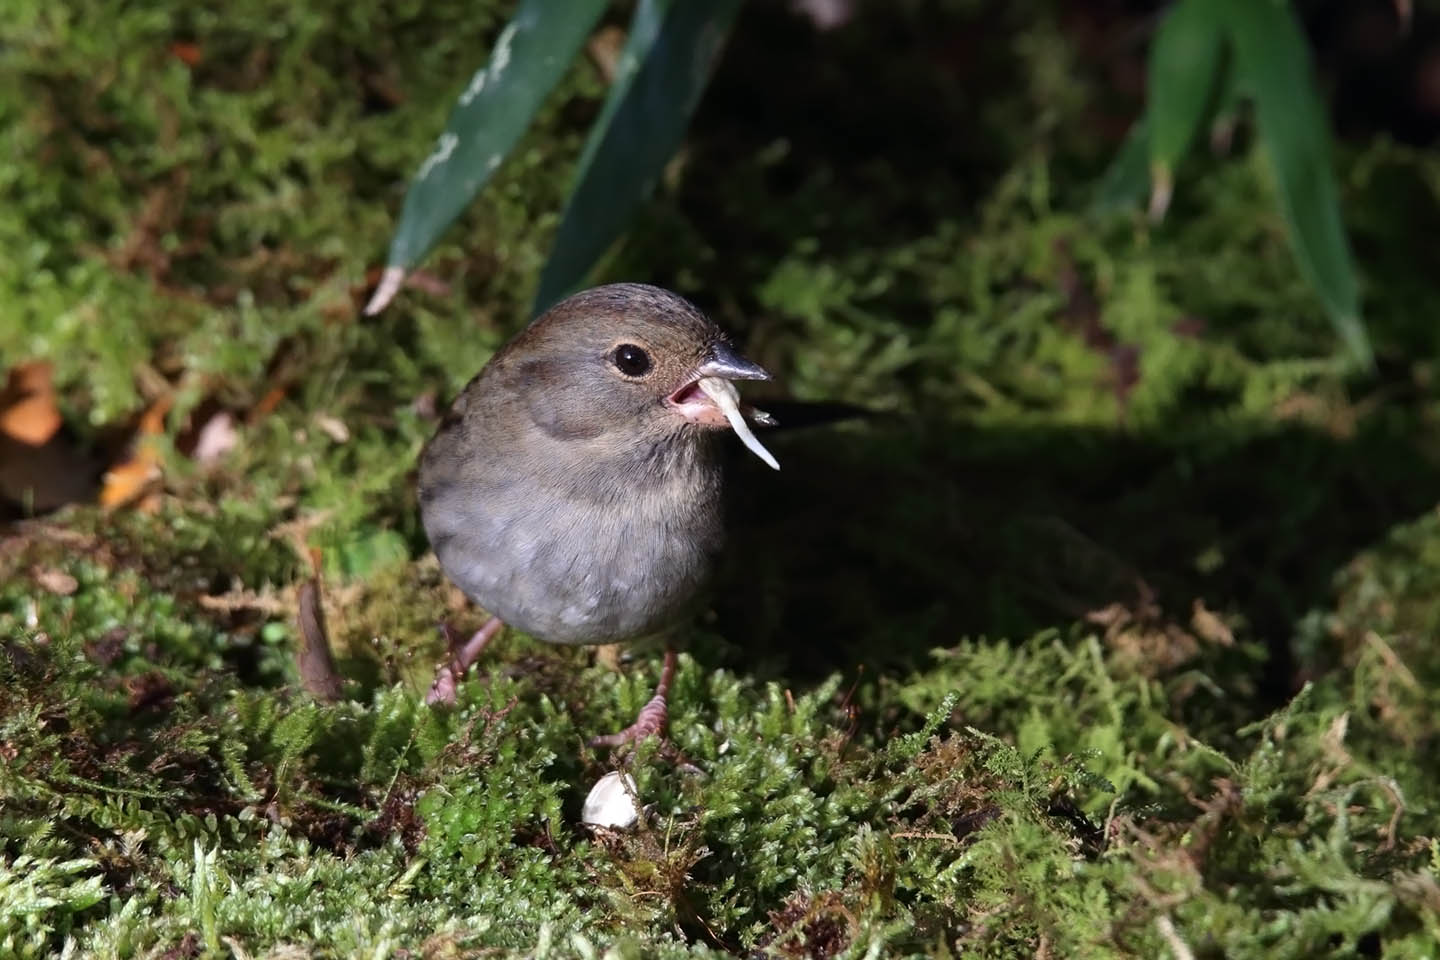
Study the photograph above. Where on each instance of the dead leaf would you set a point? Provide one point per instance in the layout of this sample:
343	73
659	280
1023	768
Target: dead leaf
1210	627
332	427
56	581
1144	638
134	480
296	533
41	469
266	600
27	406
128	482
1333	740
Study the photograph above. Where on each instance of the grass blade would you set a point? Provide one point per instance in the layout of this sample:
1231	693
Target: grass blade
534	50
1273	65
1185	63
665	68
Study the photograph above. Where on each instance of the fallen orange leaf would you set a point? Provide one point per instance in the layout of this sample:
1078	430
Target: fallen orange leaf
27	406
132	479
127	481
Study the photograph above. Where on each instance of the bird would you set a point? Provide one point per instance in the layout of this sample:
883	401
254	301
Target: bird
573	488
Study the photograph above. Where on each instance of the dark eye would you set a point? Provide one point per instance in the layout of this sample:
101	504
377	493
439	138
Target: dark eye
631	360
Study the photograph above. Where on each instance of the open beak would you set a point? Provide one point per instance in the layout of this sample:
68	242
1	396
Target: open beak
709	397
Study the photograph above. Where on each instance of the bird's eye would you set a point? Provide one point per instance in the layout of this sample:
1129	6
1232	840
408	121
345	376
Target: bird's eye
631	360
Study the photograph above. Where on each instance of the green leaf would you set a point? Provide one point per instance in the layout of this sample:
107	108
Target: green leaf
1185	63
494	110
664	69
1273	64
1228	102
645	27
1128	175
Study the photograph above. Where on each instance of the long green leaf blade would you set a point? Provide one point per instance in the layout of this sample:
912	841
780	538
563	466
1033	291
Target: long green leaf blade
1184	67
531	54
1128	176
645	26
664	70
1273	65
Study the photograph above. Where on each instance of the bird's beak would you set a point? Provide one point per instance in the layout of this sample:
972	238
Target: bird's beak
709	397
722	360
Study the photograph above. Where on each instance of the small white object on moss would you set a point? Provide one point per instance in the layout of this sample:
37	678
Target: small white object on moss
611	803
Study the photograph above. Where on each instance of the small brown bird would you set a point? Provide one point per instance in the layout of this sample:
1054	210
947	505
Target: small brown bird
573	489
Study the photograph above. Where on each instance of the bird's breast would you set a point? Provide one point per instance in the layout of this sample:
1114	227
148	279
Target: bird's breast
621	560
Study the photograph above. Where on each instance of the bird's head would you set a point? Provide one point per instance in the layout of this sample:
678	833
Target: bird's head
630	363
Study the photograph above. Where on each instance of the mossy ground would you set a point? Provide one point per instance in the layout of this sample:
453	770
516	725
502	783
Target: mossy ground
1010	669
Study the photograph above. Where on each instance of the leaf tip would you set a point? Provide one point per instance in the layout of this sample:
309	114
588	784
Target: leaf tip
1357	342
389	285
1162	187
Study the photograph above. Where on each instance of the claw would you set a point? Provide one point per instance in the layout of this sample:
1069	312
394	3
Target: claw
653	718
462	656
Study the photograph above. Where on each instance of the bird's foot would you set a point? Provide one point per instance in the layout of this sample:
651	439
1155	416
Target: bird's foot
462	656
653	718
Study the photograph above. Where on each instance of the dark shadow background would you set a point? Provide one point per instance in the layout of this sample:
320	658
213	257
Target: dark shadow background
880	541
885	537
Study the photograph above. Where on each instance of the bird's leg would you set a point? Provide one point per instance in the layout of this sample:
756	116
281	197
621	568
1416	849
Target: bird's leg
447	678
653	717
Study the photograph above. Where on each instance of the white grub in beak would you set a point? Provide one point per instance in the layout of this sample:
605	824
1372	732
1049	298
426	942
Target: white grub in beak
715	401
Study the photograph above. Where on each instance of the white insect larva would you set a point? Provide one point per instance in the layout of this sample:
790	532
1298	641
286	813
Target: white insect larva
727	398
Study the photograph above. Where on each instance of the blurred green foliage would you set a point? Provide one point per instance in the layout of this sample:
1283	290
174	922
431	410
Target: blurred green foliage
657	81
1206	59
